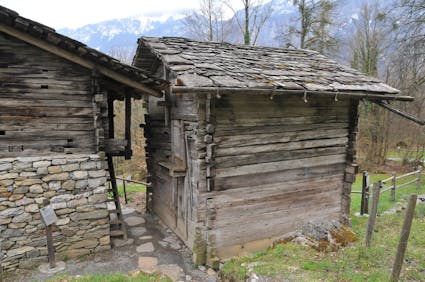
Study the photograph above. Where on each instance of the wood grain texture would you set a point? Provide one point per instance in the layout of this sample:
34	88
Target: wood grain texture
45	102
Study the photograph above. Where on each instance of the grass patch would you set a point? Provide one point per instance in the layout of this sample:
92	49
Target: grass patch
385	203
130	188
353	263
117	277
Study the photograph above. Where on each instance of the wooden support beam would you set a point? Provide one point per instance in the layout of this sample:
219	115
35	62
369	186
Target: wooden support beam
400	113
128	151
111	132
77	59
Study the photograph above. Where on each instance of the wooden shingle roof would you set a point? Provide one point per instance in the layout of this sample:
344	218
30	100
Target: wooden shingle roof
47	38
220	65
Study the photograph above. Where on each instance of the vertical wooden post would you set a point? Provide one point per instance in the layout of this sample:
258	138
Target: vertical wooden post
125	191
373	212
50	247
404	237
110	116
393	184
365	194
128	152
418	182
1	260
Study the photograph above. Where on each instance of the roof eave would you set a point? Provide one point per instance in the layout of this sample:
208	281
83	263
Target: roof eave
273	92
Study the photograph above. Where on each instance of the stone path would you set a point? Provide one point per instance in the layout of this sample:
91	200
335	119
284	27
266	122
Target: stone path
160	250
151	247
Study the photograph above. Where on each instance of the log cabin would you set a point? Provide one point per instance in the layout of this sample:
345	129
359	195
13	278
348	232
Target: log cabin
249	143
57	139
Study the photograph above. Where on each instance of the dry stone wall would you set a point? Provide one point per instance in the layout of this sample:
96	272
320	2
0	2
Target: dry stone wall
76	187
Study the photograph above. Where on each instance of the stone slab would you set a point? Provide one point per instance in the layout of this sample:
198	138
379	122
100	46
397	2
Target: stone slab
137	231
134	220
148	264
145	248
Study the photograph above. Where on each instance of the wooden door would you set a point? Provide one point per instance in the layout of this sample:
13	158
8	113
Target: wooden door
182	193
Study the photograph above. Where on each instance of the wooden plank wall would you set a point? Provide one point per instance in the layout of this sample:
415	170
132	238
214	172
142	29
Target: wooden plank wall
45	102
168	203
278	164
158	149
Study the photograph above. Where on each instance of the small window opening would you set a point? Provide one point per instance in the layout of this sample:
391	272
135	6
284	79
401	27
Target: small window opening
2	132
44	86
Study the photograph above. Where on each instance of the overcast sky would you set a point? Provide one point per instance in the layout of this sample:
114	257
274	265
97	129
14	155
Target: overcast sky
76	13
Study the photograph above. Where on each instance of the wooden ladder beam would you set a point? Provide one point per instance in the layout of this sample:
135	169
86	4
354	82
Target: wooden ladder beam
118	210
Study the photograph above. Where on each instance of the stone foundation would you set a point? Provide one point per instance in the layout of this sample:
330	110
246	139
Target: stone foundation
75	185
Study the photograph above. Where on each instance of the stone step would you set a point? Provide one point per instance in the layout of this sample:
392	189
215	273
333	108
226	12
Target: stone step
115	222
116	233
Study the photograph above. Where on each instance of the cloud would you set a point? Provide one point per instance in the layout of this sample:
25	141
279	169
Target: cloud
76	13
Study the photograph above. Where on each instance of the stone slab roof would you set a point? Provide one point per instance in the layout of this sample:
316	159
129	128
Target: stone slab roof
9	18
212	64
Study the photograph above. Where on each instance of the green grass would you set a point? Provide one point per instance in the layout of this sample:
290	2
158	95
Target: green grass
353	263
385	203
130	188
118	277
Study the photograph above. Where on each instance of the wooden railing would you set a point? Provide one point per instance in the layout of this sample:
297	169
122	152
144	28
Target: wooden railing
124	180
365	192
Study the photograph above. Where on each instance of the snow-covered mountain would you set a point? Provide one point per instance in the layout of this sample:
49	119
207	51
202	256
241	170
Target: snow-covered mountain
120	35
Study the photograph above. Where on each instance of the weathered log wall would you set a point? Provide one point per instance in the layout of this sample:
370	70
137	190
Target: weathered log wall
46	103
277	164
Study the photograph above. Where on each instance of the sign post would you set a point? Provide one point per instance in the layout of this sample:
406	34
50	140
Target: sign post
49	217
1	260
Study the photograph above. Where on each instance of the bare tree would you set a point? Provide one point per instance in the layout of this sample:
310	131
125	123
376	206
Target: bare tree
312	27
207	23
255	14
367	45
123	54
406	71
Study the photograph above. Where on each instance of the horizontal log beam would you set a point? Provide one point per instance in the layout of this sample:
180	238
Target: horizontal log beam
273	92
77	59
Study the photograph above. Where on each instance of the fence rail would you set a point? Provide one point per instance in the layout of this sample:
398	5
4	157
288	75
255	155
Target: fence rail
366	185
124	180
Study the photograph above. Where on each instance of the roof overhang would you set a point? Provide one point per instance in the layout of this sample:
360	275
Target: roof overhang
273	92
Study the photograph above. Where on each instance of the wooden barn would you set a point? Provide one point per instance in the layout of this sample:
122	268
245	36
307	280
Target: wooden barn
249	142
56	126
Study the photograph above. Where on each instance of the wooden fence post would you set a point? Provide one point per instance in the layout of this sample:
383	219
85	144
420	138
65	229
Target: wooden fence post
418	182
404	237
364	204
373	212
124	191
393	184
